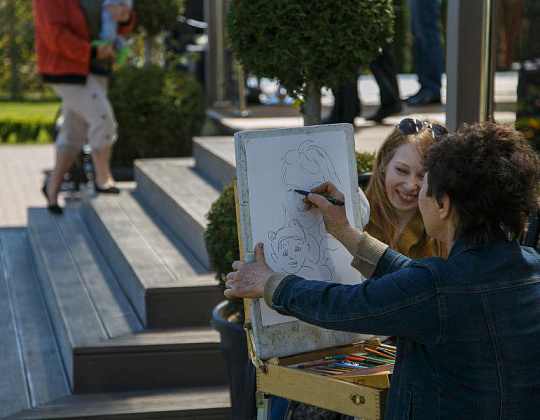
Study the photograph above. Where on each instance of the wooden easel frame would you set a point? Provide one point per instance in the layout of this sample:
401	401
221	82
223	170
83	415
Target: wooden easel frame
364	398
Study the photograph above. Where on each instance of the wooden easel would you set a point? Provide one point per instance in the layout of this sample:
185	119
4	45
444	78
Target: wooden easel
363	397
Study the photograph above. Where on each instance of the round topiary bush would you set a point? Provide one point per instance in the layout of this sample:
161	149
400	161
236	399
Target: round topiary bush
308	44
158	112
157	15
221	239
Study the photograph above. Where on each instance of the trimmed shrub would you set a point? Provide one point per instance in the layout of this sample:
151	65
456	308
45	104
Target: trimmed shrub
365	162
158	112
301	42
156	15
221	239
20	130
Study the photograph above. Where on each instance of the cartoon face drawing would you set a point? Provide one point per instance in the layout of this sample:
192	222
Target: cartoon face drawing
305	168
289	247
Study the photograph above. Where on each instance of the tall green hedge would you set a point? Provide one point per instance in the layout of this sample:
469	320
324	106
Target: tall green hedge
158	110
320	42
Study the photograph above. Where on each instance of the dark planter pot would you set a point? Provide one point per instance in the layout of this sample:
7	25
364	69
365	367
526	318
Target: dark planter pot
234	348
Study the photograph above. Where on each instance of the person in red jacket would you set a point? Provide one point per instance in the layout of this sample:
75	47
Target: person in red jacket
78	72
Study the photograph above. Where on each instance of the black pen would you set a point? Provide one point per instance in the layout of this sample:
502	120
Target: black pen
332	200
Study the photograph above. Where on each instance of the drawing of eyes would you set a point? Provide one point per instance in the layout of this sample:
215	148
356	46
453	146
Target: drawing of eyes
285	253
297	248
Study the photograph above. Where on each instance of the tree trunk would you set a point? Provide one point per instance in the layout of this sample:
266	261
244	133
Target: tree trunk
312	106
148	49
14	85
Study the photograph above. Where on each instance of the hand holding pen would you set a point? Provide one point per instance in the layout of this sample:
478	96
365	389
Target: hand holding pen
334	215
334	201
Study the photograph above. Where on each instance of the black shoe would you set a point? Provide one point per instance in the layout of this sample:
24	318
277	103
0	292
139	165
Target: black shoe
110	190
424	97
385	111
54	208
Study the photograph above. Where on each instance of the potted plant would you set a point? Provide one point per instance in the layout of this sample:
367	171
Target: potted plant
221	239
307	45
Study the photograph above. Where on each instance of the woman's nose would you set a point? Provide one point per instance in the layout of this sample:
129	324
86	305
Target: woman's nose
413	184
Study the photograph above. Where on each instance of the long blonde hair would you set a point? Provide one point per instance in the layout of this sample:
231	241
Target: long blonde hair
382	212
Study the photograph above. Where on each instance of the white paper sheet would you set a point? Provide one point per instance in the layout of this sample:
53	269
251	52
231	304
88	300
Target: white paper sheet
295	241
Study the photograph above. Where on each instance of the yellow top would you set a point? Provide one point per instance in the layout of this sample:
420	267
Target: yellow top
413	242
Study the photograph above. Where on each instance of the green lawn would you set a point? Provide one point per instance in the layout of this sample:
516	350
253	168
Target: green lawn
33	110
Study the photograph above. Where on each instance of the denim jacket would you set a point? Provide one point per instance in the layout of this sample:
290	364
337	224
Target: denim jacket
468	328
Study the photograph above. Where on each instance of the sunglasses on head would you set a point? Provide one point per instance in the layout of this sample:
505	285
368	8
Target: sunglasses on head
413	126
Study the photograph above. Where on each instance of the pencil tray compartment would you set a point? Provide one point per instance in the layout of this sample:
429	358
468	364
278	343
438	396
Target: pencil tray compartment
358	395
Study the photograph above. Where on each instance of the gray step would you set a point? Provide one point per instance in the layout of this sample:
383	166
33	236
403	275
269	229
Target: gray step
202	404
13	390
166	284
101	340
153	359
31	373
214	157
181	197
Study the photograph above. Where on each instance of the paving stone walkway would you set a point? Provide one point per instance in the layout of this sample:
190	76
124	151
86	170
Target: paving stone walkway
23	169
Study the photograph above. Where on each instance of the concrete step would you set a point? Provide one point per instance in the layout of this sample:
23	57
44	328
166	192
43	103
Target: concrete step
212	403
166	284
38	357
101	339
181	196
215	157
31	371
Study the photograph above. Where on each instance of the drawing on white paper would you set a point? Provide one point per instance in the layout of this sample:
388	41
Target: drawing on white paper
304	168
291	248
310	165
276	163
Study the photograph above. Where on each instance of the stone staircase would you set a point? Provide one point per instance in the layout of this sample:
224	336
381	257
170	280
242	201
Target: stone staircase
105	311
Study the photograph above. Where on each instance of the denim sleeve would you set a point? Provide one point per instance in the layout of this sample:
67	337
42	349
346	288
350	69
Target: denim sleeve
390	262
403	303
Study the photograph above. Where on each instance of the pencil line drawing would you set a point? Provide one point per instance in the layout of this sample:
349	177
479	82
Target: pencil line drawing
295	247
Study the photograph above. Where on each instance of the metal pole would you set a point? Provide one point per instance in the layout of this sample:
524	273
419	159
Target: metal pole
242	110
466	62
492	14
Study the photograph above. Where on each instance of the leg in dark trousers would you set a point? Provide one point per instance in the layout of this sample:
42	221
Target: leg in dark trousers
384	69
346	103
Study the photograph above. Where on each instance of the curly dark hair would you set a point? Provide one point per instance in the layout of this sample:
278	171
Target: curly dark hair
491	175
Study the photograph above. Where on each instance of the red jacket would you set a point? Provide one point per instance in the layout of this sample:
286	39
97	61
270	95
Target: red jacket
63	44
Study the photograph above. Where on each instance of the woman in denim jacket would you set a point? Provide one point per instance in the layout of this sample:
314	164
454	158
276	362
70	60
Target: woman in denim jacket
468	326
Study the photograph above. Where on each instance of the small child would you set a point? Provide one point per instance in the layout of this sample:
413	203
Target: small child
109	31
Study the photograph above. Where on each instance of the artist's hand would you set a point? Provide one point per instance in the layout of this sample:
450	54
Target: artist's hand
119	11
248	279
335	217
104	51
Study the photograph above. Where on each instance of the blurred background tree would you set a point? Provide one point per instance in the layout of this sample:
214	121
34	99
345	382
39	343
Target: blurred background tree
17	57
154	18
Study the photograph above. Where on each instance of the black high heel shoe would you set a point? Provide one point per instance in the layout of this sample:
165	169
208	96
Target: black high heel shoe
53	208
110	190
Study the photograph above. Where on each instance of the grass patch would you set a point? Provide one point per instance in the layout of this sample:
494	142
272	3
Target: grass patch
29	110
